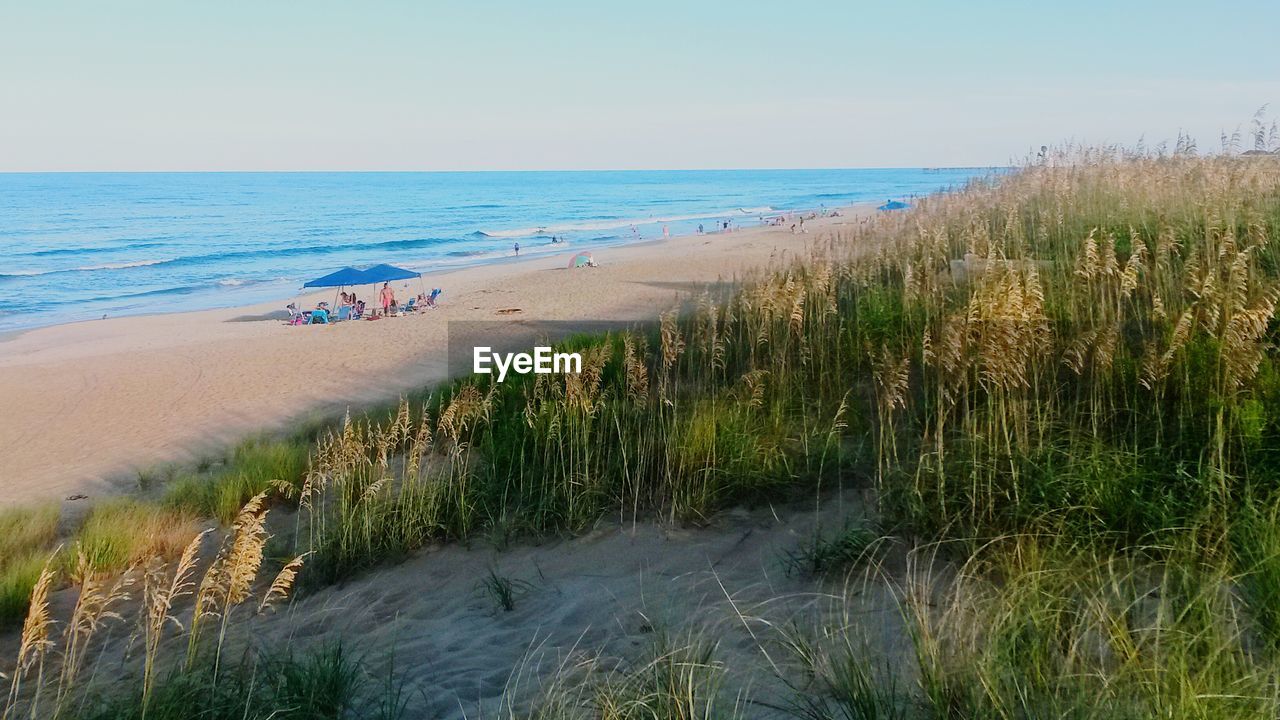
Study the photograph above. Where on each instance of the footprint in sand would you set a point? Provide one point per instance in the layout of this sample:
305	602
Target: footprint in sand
509	311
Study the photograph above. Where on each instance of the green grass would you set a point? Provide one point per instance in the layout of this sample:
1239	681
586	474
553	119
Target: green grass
326	683
502	590
17	577
27	536
827	554
255	466
672	679
125	532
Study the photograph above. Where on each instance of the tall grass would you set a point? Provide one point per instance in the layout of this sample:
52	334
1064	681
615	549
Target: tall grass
1082	351
51	674
26	538
674	678
124	532
1087	343
254	466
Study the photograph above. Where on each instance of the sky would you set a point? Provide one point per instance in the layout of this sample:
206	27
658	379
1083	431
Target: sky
561	84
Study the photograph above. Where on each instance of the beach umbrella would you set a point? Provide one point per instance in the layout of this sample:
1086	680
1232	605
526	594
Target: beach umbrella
894	205
580	259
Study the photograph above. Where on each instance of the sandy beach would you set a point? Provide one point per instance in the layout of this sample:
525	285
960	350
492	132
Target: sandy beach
95	403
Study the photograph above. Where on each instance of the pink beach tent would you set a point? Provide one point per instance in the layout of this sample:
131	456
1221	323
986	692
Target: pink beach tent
581	259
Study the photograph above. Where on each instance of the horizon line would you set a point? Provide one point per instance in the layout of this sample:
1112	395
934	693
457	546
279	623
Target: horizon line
493	170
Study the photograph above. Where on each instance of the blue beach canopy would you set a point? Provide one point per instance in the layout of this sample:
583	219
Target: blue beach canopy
339	278
387	273
348	276
894	205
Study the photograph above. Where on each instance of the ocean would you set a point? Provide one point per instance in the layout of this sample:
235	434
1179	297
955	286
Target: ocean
80	246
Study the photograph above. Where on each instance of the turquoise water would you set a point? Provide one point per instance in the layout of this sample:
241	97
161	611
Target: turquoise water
81	246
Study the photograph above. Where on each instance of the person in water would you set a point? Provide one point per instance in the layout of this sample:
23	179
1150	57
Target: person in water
517	249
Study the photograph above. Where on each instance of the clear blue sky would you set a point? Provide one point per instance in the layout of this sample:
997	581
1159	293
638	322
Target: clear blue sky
476	84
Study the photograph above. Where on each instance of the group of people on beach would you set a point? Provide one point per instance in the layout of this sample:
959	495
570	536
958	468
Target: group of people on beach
723	226
352	308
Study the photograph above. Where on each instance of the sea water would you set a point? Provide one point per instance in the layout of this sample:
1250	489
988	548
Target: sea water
83	246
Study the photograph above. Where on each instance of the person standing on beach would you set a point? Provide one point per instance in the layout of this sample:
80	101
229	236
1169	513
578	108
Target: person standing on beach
666	232
517	249
388	298
699	228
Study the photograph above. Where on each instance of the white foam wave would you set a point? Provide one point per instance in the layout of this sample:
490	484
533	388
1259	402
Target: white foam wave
85	268
620	223
121	265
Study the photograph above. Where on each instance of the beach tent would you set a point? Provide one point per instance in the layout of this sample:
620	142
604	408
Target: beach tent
894	205
580	259
339	278
390	273
350	277
387	273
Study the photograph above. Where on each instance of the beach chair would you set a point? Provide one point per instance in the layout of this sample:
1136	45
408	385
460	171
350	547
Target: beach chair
296	316
431	299
410	306
344	313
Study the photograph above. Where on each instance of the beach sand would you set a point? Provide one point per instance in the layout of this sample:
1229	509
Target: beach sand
90	405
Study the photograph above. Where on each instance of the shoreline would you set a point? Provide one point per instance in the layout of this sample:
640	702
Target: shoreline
104	400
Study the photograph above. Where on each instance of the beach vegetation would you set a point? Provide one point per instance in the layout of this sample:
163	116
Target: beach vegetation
27	535
254	466
123	532
184	605
828	554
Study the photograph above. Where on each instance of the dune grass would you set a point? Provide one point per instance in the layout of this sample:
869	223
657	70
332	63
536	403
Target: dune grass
123	532
26	538
676	677
326	684
1083	351
254	466
57	658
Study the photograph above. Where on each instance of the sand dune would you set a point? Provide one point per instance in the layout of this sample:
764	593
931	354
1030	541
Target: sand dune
585	607
91	404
